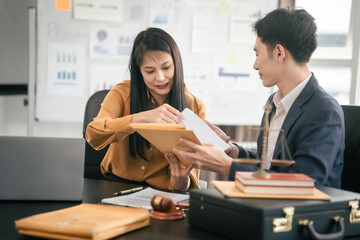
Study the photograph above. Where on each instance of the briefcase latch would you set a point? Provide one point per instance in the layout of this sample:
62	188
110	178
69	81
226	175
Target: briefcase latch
284	224
354	213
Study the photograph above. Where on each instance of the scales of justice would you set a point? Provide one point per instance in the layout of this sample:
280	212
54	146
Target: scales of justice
277	162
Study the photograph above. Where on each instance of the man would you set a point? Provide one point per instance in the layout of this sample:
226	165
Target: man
311	119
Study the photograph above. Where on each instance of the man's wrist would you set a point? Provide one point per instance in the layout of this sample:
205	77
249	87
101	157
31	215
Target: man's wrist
234	153
227	166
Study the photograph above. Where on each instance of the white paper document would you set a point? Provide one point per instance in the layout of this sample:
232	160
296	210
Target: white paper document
142	199
202	131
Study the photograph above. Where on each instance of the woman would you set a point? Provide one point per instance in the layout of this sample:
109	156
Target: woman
156	93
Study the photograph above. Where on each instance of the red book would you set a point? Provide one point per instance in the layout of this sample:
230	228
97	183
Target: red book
274	189
275	179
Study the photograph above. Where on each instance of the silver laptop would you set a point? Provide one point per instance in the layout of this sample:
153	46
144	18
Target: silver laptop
41	168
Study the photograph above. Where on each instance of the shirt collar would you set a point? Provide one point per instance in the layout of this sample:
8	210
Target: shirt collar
287	101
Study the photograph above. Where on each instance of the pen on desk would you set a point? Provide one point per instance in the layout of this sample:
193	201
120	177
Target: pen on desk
131	190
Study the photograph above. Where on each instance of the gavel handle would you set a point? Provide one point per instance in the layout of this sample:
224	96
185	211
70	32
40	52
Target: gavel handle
184	205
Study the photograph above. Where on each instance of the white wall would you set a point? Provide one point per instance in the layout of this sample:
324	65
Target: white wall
57	129
13	121
13	115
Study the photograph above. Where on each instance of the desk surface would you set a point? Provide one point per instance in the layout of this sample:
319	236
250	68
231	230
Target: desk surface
94	191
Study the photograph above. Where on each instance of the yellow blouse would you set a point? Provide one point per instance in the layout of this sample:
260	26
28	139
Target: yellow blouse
112	126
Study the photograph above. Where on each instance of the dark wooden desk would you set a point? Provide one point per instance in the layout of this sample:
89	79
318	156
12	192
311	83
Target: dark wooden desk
94	191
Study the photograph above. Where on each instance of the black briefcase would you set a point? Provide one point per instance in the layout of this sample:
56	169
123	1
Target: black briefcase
265	219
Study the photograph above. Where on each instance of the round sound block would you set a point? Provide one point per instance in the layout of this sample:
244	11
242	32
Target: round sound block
174	214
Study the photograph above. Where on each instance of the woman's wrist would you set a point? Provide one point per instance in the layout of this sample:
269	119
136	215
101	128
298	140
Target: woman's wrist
137	118
181	185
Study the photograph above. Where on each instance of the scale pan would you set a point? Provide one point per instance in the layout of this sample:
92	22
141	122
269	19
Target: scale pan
246	161
282	163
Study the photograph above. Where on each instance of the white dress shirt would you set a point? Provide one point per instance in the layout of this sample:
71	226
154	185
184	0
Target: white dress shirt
283	105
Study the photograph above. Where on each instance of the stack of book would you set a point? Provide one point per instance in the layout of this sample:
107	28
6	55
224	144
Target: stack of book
276	183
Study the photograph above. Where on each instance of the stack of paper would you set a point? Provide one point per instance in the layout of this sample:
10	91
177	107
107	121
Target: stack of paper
202	131
142	199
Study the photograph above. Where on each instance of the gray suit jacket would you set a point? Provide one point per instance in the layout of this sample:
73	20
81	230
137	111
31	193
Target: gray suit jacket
315	133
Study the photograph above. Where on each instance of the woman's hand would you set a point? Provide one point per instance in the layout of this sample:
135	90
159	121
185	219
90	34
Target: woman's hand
179	176
232	151
162	114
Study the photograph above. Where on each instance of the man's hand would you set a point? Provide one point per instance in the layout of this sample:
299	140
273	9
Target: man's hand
207	157
232	151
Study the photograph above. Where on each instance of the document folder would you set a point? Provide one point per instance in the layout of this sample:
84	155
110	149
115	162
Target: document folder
84	221
165	137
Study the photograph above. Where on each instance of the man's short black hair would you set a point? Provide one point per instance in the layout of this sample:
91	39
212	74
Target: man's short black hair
294	29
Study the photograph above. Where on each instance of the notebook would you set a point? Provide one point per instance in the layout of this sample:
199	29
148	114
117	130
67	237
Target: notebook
41	168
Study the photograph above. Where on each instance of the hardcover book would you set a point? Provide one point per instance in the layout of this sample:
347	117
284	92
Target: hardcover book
275	183
274	189
276	179
229	189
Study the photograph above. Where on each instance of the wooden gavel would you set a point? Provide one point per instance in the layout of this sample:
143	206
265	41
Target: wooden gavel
164	204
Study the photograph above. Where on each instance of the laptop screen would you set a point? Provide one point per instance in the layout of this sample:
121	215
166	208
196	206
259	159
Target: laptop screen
41	168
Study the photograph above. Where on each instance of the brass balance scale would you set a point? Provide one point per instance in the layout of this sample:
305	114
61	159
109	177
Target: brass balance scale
277	162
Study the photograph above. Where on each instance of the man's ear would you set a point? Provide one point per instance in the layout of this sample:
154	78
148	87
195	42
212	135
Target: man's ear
279	51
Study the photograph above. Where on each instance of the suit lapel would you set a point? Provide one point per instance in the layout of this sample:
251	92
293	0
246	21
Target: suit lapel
295	112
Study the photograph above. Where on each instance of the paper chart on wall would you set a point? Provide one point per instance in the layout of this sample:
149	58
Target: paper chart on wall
243	14
237	93
105	76
208	31
65	71
198	81
166	13
111	41
104	10
236	75
237	107
136	11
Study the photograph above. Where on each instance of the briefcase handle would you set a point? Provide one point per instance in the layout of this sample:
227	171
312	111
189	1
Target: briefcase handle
324	236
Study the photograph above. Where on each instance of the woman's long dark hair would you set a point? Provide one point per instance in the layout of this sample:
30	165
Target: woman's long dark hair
152	39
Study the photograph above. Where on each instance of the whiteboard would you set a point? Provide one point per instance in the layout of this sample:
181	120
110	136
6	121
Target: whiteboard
215	41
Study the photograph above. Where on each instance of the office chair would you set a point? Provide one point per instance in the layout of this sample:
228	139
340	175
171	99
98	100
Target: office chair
93	157
350	174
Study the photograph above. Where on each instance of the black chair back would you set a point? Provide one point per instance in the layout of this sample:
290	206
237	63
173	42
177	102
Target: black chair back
350	174
93	157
